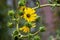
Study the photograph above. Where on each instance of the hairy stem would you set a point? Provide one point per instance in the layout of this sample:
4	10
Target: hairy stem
44	5
25	36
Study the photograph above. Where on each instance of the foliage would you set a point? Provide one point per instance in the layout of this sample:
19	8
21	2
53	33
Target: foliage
23	19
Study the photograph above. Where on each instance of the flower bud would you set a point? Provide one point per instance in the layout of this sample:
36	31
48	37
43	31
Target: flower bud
11	12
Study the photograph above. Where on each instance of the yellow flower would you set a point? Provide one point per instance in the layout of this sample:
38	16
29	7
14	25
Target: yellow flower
25	29
29	14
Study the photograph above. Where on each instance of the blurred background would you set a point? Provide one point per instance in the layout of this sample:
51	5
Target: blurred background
50	18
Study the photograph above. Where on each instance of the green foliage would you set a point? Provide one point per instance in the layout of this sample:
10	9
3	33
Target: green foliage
11	12
15	33
22	2
36	37
20	12
16	19
10	24
54	2
58	34
29	24
42	29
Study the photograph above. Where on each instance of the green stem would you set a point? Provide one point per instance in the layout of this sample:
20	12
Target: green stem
25	36
17	24
36	33
44	5
17	27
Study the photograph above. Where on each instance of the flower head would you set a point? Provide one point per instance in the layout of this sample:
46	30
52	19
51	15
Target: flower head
29	14
25	29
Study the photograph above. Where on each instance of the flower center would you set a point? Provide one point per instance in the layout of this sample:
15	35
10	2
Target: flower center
28	15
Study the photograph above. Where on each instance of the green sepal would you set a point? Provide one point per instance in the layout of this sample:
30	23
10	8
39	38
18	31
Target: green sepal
36	37
29	24
42	29
15	33
10	24
20	12
21	2
11	12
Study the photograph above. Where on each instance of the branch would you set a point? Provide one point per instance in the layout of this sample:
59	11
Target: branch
44	5
25	36
36	33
